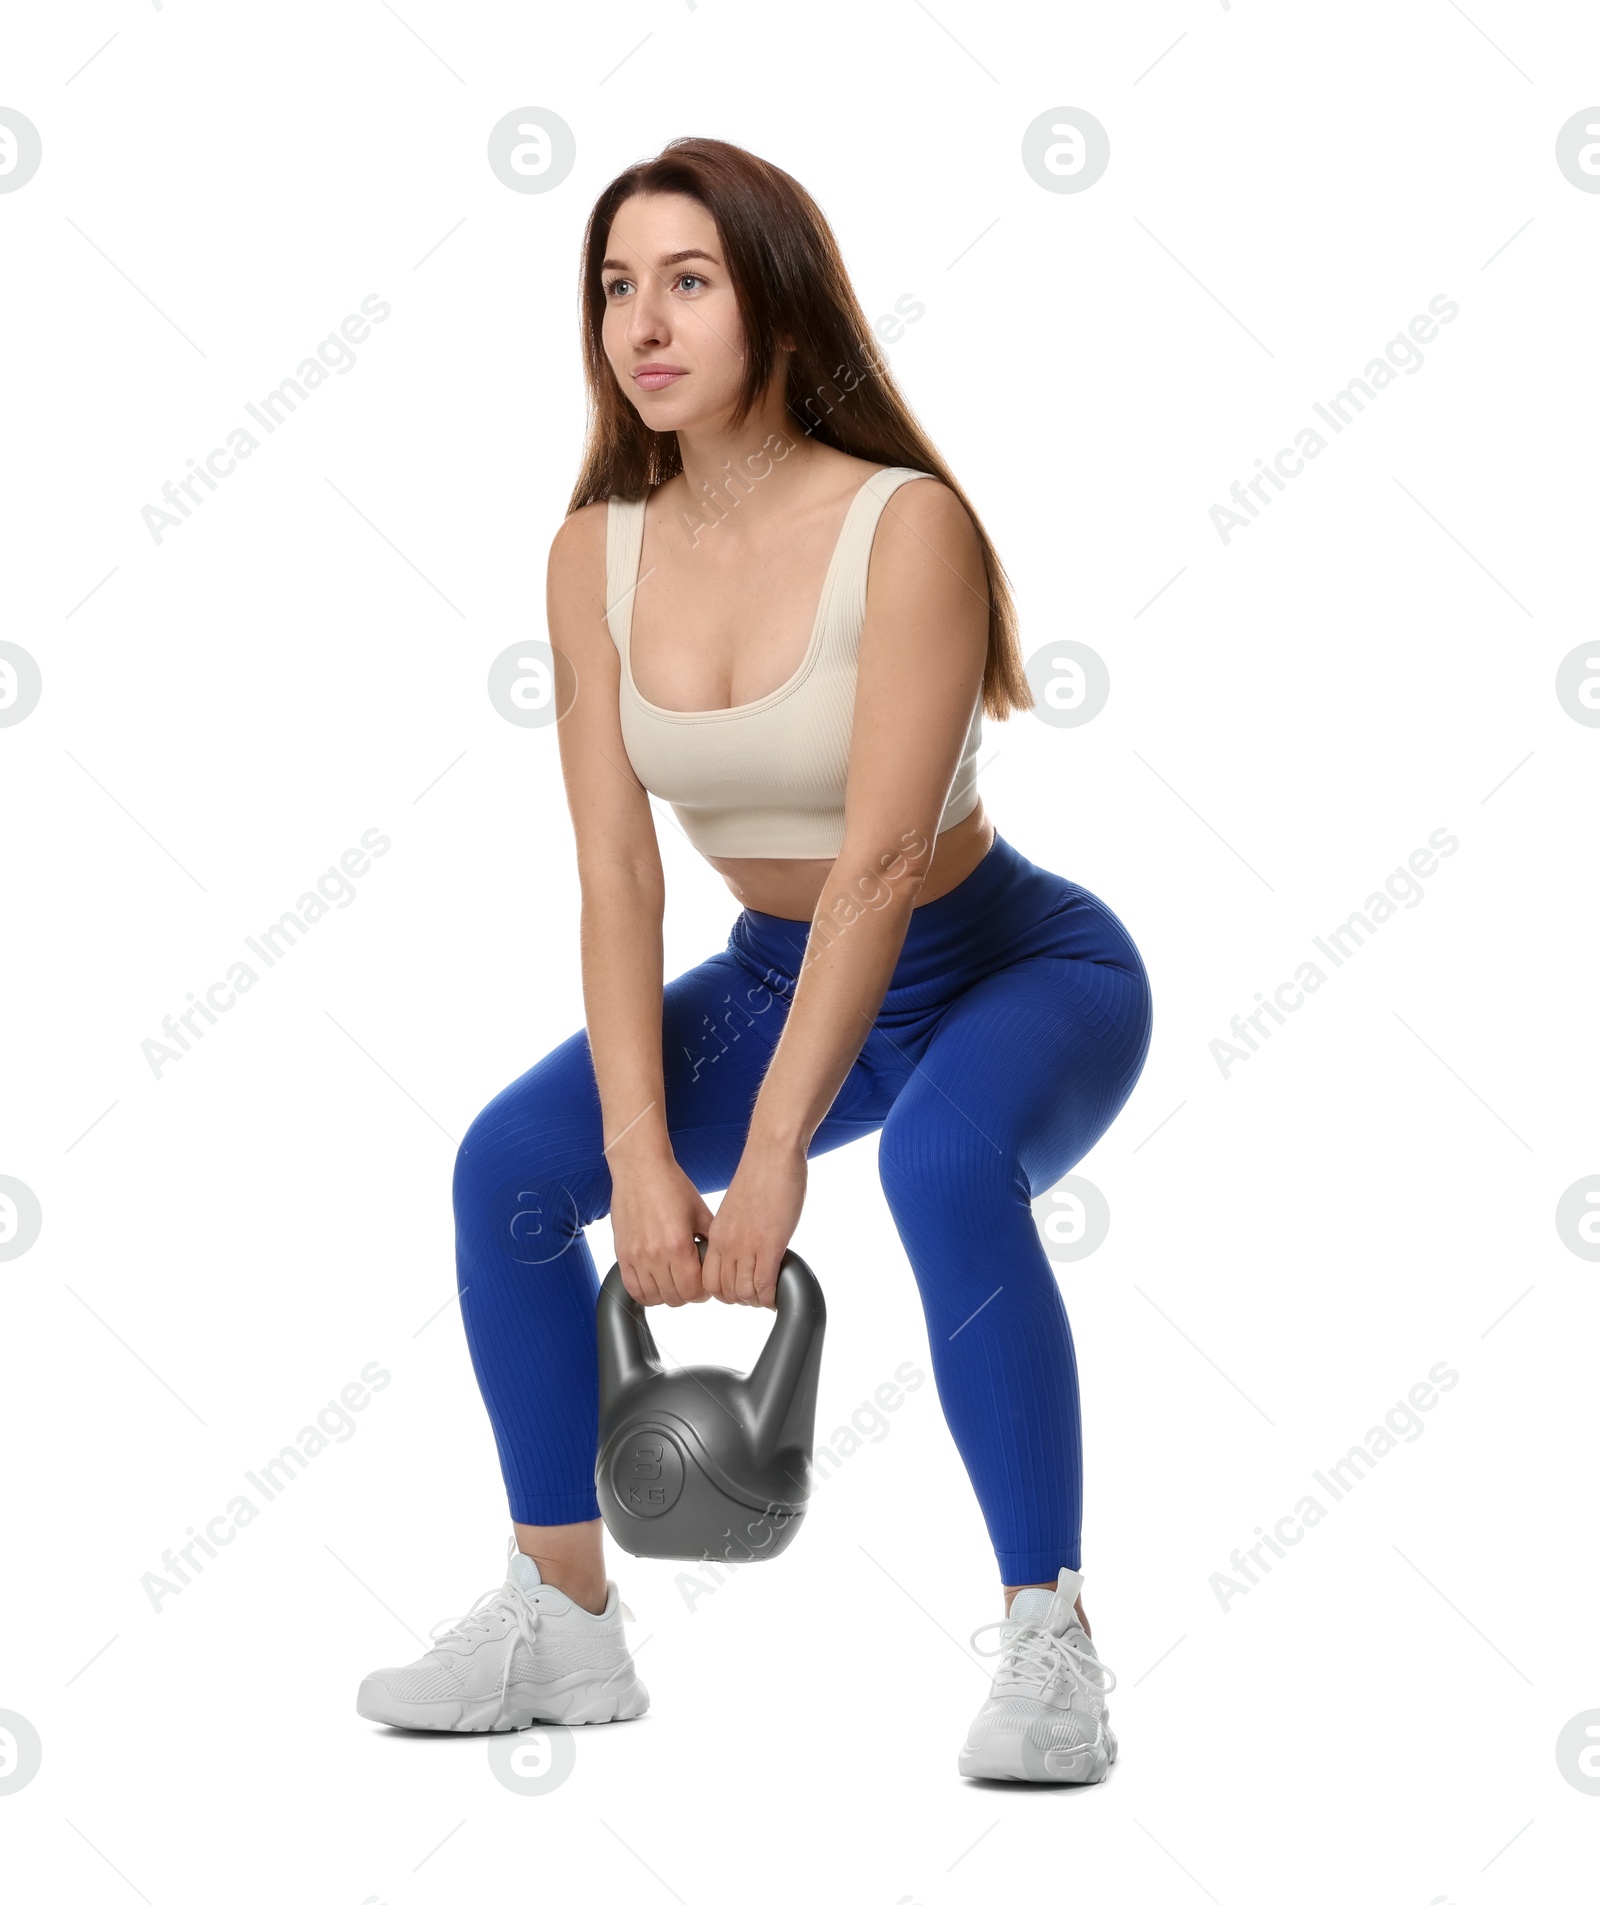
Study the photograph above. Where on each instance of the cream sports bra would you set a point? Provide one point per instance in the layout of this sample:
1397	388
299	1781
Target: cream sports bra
766	779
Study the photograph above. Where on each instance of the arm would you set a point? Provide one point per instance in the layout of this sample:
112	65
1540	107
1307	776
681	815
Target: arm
655	1209
920	666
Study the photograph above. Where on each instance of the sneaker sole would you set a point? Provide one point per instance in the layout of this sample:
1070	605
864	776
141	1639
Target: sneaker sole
585	1702
1016	1756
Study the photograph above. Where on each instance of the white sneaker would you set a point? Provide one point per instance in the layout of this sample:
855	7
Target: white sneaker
523	1652
1045	1718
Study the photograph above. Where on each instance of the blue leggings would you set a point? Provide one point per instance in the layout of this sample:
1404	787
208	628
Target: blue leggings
1014	1027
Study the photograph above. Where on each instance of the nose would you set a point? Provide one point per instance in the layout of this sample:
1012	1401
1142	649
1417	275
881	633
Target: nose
648	321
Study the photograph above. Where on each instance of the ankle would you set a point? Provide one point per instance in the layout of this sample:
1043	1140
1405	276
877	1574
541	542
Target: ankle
579	1583
569	1556
590	1596
1011	1594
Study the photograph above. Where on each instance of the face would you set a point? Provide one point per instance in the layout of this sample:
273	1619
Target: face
672	330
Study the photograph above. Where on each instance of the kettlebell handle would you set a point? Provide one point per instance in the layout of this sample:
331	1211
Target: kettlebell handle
795	1276
785	1373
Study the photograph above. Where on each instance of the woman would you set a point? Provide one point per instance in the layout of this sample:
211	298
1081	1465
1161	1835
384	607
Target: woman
772	607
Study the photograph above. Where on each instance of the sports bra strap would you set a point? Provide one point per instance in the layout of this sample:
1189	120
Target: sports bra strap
624	541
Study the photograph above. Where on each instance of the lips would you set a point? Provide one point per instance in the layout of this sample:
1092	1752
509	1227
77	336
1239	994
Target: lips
657	376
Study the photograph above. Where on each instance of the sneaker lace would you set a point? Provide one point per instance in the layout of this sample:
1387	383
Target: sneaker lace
1037	1660
482	1621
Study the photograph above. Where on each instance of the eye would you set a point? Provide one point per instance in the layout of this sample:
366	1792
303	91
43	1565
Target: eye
686	276
612	286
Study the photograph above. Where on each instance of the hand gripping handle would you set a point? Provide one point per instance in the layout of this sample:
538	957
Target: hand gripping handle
782	1386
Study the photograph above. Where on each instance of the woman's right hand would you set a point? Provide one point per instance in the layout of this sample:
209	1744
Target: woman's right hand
656	1214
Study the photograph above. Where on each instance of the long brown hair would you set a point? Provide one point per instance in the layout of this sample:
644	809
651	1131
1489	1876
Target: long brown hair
788	276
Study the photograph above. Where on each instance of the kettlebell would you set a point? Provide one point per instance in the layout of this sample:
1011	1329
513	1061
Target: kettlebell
703	1464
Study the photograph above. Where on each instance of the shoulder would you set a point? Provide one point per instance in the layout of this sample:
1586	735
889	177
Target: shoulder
575	578
578	537
930	504
578	552
925	525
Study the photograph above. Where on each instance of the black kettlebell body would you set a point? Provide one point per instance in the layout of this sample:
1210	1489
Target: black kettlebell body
703	1464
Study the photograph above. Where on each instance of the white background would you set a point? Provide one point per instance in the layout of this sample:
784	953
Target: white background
1292	713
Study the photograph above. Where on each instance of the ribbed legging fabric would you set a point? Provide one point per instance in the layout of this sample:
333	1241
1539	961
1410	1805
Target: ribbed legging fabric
1015	1025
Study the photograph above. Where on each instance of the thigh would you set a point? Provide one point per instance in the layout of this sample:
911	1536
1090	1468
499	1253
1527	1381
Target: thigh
536	1152
720	1027
1028	1067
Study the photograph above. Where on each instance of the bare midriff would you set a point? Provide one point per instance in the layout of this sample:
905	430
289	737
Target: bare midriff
790	889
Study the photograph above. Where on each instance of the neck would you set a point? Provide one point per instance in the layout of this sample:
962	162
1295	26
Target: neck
767	456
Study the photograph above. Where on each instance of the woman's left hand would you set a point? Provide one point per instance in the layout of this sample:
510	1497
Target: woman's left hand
753	1224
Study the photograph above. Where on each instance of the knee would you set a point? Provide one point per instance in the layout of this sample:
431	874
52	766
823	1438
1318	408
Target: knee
941	1176
517	1185
961	1206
